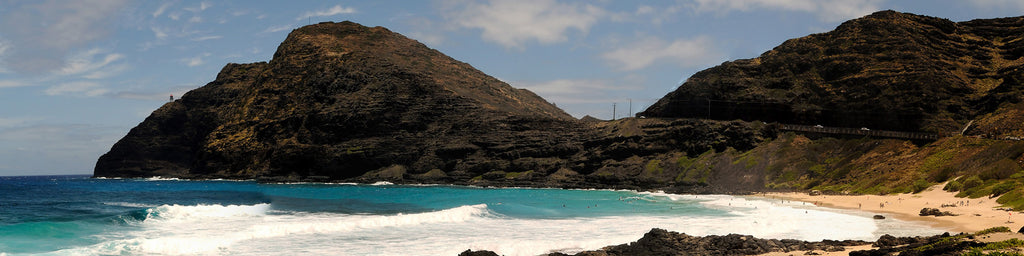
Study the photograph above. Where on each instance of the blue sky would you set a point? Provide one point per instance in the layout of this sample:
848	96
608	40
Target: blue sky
76	75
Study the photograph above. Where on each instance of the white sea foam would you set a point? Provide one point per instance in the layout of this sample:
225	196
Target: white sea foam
126	204
382	183
178	213
679	197
159	178
216	229
258	230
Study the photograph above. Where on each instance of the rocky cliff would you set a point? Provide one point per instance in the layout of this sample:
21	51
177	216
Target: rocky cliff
344	102
338	100
888	71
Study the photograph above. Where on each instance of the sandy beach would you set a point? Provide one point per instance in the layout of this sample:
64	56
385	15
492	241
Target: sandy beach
973	215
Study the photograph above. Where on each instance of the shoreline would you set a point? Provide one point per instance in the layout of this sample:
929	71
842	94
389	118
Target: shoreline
972	215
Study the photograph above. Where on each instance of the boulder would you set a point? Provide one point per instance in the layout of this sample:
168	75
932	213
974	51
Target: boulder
934	212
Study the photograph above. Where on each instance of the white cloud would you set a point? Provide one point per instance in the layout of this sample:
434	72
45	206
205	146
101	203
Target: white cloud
237	13
77	88
335	10
695	52
427	38
11	83
161	9
206	38
827	10
196	61
3	49
88	61
278	28
577	91
195	19
158	32
513	23
4	46
657	15
107	72
202	7
40	47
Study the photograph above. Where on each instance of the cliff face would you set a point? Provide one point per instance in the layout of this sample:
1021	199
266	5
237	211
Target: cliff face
344	102
887	70
337	100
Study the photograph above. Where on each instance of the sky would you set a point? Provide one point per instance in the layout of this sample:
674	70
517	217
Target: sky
77	75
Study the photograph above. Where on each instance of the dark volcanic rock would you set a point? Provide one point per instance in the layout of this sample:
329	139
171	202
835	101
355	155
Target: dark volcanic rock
344	102
338	100
934	212
943	244
888	240
662	242
887	70
477	253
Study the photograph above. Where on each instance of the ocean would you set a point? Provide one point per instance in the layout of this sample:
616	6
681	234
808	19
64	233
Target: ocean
76	215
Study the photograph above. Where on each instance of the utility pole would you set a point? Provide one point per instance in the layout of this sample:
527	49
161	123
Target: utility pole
613	111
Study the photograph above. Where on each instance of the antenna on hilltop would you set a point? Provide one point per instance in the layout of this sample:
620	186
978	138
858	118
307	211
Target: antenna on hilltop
613	111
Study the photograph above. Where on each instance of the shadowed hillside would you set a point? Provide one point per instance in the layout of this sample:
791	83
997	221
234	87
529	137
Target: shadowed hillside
887	71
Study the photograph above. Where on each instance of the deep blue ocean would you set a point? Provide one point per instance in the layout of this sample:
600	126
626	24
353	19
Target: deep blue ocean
77	215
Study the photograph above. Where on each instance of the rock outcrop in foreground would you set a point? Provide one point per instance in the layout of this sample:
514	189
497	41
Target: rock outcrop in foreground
663	242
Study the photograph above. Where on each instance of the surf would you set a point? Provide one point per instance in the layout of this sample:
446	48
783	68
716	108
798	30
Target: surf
181	217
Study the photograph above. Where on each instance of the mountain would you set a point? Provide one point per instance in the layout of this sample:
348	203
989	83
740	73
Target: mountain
344	102
887	71
338	100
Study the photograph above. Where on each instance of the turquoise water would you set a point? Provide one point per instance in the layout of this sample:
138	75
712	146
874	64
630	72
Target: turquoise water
75	215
